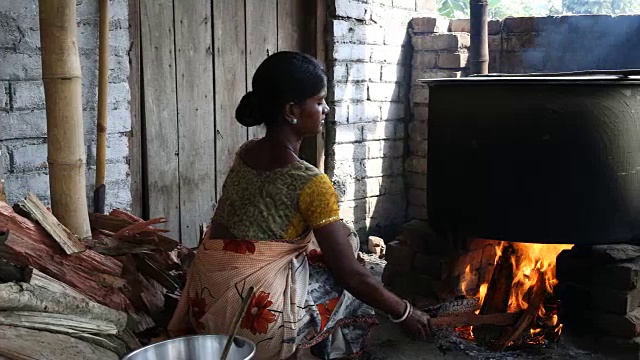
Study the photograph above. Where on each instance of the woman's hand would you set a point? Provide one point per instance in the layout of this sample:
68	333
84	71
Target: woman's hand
417	325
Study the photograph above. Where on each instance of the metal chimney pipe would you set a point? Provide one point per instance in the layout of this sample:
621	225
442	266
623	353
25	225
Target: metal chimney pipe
479	52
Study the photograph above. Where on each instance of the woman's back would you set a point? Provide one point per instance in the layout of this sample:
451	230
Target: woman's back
280	203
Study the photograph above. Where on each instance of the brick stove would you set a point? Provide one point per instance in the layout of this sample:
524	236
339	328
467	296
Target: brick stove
533	159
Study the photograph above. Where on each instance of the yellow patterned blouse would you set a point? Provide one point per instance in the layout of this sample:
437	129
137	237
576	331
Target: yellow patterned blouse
278	204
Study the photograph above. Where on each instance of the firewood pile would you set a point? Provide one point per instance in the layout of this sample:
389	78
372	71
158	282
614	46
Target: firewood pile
113	291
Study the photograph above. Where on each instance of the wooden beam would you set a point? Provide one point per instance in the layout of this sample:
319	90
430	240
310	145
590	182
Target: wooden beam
314	43
136	154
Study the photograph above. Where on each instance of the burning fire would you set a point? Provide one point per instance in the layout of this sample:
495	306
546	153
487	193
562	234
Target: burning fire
529	262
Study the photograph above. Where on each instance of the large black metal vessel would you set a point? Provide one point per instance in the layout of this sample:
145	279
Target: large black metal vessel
540	159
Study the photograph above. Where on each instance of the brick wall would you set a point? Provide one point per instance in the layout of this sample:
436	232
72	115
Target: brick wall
23	149
516	45
437	53
369	75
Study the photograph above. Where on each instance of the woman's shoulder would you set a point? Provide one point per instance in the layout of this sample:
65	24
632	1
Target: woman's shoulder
304	170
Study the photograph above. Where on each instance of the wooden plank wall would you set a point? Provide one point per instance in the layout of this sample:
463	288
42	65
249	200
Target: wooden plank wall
262	41
196	126
231	81
198	58
162	183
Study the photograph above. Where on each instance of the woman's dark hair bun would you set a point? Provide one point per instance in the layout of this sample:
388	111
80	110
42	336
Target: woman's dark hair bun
247	112
282	78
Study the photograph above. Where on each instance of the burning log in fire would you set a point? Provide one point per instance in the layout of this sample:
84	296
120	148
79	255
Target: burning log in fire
522	283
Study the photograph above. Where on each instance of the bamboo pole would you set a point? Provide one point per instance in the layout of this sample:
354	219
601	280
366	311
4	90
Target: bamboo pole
103	89
62	78
3	195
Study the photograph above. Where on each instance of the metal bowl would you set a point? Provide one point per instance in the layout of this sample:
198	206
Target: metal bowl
195	347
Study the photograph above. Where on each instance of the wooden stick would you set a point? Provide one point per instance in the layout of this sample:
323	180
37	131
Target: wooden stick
474	320
529	315
62	78
68	241
236	325
103	90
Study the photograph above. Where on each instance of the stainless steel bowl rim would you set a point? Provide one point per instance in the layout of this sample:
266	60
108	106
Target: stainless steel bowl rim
131	354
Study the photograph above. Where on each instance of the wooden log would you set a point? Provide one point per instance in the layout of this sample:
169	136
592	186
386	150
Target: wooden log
469	319
496	300
26	244
455	307
37	278
528	317
24	297
57	323
26	344
68	241
62	78
499	290
31	233
109	342
106	222
114	247
83	272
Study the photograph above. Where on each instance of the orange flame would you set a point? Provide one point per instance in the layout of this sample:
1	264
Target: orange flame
528	261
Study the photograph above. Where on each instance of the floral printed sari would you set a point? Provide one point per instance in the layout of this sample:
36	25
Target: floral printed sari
296	302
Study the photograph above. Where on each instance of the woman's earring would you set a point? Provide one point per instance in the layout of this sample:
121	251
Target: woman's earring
294	121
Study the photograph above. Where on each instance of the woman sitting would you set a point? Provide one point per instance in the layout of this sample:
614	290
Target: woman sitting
277	228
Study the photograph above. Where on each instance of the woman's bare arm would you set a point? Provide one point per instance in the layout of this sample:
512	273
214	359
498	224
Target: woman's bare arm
357	280
350	274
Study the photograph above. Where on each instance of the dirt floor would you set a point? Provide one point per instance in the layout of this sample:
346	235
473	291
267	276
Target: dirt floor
389	342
